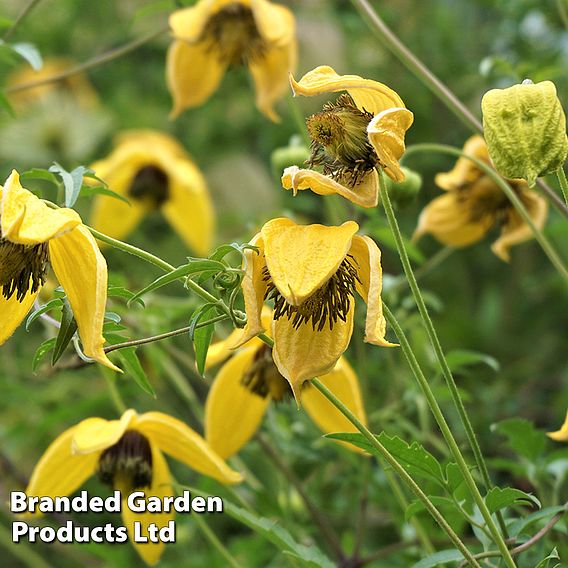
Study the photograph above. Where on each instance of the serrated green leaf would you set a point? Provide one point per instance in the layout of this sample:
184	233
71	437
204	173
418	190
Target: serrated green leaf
132	366
51	305
29	52
440	558
42	351
72	181
66	331
497	498
462	358
522	437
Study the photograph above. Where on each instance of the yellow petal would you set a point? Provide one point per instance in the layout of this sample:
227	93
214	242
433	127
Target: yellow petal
368	257
372	96
188	23
344	384
161	487
365	193
233	413
276	24
13	312
193	73
302	258
178	440
515	230
188	208
97	434
302	354
61	471
82	271
386	133
562	434
27	220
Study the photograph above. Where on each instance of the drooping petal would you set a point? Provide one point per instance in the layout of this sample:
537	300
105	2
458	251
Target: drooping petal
368	258
364	193
97	434
275	23
13	312
515	230
562	434
27	220
193	73
232	412
188	23
386	133
304	353
188	207
61	471
178	440
161	487
301	258
369	95
82	271
344	384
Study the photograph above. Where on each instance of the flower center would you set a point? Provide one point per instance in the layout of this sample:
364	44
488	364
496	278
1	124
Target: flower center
327	304
264	379
340	143
128	464
233	35
23	268
150	185
484	198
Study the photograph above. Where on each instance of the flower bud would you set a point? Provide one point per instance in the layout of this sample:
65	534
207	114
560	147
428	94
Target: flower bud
295	154
525	130
404	193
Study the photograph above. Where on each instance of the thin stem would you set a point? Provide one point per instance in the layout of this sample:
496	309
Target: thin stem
90	64
21	17
509	192
217	544
114	392
563	182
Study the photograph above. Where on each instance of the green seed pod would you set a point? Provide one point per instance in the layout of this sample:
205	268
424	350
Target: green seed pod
525	130
404	193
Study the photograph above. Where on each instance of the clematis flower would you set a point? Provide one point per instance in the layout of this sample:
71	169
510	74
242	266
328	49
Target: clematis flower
311	273
126	454
153	171
216	34
33	235
562	434
474	204
361	131
249	381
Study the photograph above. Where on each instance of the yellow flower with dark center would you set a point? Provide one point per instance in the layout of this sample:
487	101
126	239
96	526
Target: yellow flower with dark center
474	204
311	273
126	454
562	434
249	380
352	137
33	235
216	34
153	171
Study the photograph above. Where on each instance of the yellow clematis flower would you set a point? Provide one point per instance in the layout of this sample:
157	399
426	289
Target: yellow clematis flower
33	235
126	454
311	273
562	434
153	171
364	129
474	204
249	380
216	34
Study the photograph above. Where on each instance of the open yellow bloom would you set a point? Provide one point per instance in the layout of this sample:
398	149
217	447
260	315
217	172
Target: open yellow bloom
311	273
33	235
474	204
216	34
127	455
562	434
249	380
153	171
363	130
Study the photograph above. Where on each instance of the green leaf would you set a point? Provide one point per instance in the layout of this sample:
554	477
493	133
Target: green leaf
66	331
462	358
124	293
40	173
497	498
42	351
545	563
132	366
51	305
201	336
5	103
91	191
112	316
440	558
29	52
520	525
522	437
72	181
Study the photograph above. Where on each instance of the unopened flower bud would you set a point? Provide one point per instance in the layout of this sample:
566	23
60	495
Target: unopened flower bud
295	154
404	193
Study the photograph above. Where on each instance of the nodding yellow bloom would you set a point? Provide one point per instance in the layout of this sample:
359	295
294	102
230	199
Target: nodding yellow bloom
33	235
562	434
216	34
126	454
362	131
249	380
474	204
311	273
153	171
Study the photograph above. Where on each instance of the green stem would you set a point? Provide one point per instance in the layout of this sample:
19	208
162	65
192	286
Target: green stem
21	17
446	372
563	182
114	392
507	190
217	544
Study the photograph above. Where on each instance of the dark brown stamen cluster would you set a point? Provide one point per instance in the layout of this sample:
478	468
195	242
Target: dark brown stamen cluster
327	304
232	34
128	463
264	379
23	268
150	184
340	145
